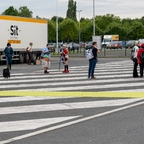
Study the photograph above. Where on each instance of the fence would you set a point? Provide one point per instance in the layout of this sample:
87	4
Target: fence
124	52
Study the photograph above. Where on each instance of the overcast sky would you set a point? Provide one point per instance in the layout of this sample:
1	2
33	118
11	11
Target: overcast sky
47	8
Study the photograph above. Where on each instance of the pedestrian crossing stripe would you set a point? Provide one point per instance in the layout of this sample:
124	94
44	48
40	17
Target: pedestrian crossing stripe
74	94
31	124
110	82
65	106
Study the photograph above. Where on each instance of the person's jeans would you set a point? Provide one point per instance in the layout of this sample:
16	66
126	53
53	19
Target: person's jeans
92	65
135	73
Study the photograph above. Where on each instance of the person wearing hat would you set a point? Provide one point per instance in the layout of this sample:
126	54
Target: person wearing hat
9	53
139	57
45	58
64	59
135	49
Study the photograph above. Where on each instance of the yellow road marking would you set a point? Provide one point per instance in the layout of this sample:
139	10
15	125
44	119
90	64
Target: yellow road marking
74	94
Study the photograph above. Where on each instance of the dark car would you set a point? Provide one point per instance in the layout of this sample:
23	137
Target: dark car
115	45
89	45
130	44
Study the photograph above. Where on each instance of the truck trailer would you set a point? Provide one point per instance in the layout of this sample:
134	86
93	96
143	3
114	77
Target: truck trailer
109	38
19	32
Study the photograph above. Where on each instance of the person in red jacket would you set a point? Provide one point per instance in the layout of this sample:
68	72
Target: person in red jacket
64	54
141	64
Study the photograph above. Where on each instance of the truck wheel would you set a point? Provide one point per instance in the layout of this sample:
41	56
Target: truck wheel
21	58
34	57
26	58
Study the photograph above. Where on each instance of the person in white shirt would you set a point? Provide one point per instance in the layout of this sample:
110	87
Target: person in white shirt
29	51
136	48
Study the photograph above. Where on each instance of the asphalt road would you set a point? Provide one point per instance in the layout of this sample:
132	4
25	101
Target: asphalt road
82	120
102	125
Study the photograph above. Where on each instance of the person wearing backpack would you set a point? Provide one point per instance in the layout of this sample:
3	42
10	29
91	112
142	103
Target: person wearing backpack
135	61
9	53
93	61
140	57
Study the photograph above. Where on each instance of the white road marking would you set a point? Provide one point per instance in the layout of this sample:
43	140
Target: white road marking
22	125
27	98
65	106
69	123
94	86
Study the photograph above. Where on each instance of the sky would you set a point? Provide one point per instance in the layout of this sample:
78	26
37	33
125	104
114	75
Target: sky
49	8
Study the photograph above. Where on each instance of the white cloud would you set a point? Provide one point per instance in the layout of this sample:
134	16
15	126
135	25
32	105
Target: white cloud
47	8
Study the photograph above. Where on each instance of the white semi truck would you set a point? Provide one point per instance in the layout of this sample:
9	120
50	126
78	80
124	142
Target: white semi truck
109	38
20	31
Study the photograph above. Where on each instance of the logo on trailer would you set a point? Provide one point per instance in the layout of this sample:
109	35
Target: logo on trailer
14	30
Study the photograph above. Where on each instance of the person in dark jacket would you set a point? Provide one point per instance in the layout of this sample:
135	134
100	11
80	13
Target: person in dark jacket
141	64
9	53
93	61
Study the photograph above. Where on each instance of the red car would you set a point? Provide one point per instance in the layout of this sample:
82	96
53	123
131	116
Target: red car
115	45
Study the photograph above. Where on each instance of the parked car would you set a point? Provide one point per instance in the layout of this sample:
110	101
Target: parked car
115	45
76	46
89	45
141	41
130	44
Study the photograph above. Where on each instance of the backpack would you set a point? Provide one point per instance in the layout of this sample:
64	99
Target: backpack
142	57
89	53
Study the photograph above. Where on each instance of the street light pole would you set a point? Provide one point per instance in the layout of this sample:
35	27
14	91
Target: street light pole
93	17
79	30
56	25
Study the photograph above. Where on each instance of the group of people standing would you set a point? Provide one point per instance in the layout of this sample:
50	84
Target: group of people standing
46	54
138	49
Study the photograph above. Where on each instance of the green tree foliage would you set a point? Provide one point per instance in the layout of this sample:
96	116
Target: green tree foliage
60	19
116	28
25	12
71	12
68	30
103	21
87	30
136	31
51	31
22	12
11	11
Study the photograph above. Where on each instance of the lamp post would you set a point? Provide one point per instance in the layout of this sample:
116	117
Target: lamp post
56	25
79	30
93	17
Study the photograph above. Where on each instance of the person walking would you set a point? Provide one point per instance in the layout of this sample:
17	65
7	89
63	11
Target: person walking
64	55
29	51
9	53
141	64
45	57
93	61
135	49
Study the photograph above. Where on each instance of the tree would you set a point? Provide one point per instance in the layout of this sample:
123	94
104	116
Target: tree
11	11
51	31
71	12
116	29
60	19
103	21
25	12
68	30
136	31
